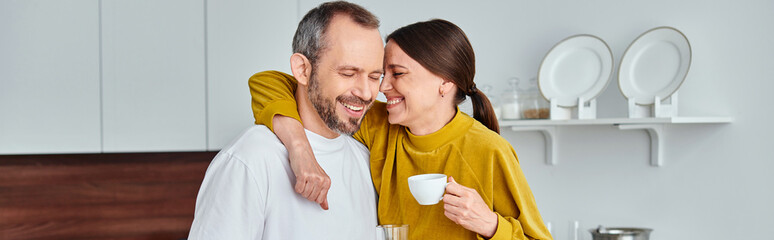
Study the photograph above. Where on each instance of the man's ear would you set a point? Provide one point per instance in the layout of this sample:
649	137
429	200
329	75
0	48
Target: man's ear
301	68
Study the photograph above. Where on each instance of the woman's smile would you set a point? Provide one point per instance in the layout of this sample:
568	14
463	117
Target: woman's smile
394	101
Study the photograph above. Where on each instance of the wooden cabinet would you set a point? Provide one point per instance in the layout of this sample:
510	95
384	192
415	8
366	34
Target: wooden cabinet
153	75
49	77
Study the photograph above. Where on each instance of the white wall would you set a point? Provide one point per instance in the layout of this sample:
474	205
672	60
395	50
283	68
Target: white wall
134	76
243	37
715	183
153	83
49	76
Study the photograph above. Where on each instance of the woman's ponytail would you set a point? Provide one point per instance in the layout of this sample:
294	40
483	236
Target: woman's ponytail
483	111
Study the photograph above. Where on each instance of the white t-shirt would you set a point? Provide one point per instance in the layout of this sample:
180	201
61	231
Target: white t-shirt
247	192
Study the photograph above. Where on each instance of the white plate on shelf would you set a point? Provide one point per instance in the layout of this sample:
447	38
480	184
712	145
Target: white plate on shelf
579	66
654	64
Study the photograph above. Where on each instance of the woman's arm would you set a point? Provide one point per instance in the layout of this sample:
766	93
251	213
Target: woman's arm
273	93
274	105
311	180
514	203
513	214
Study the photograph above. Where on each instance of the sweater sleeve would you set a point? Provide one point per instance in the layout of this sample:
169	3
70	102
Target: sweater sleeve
273	93
517	212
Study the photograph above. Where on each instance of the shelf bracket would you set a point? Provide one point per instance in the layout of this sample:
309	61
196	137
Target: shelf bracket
548	134
654	132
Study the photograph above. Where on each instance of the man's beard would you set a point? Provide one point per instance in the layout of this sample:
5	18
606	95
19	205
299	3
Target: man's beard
326	108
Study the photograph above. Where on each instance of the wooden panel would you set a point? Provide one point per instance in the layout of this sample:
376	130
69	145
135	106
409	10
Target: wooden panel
93	193
153	76
33	213
100	196
136	172
137	228
49	77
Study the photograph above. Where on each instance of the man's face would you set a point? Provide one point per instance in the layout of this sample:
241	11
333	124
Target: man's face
345	80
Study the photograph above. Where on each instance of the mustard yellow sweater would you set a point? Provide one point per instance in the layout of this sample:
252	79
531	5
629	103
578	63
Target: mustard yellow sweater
465	149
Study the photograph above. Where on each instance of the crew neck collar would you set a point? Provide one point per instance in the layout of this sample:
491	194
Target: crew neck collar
455	128
320	143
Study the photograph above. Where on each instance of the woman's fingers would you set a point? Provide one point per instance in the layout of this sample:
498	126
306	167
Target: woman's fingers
456	210
451	216
464	206
322	196
311	181
315	189
452	199
454	188
309	189
457	189
300	185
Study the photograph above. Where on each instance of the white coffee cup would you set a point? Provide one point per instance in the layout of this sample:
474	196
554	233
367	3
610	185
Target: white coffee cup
428	189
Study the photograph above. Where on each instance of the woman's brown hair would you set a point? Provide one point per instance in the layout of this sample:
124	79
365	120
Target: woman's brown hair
444	49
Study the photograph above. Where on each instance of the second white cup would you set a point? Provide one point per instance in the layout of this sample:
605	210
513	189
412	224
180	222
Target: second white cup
428	189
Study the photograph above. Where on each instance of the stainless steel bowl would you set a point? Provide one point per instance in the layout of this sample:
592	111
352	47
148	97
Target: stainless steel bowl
620	233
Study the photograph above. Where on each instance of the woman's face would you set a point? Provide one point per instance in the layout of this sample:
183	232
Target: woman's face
413	93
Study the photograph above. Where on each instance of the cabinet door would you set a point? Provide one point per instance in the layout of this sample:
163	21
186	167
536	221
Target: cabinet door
243	37
49	77
153	75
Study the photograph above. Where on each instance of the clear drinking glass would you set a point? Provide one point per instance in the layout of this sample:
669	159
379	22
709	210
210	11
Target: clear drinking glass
392	232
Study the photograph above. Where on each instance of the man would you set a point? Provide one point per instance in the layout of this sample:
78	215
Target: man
248	190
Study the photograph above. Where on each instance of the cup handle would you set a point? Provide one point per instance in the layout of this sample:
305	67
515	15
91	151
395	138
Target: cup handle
444	191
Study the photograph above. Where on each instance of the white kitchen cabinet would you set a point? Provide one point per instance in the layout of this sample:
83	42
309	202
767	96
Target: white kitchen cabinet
49	77
240	43
153	75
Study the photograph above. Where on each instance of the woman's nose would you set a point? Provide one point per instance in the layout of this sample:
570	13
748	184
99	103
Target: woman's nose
386	84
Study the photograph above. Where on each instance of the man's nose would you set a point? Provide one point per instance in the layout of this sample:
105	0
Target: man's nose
362	89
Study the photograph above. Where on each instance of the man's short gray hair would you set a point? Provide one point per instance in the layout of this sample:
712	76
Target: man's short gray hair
309	38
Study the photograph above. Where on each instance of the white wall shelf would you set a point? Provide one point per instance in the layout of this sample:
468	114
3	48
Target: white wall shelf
653	126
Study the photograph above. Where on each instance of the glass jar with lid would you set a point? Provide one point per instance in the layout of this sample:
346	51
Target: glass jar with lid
533	105
509	101
487	90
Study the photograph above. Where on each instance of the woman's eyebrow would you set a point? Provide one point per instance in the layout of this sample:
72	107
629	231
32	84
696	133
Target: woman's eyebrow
396	66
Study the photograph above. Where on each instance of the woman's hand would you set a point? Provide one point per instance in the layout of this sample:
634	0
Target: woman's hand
311	180
464	206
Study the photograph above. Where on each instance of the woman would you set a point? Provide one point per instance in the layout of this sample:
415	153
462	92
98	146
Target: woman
429	70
